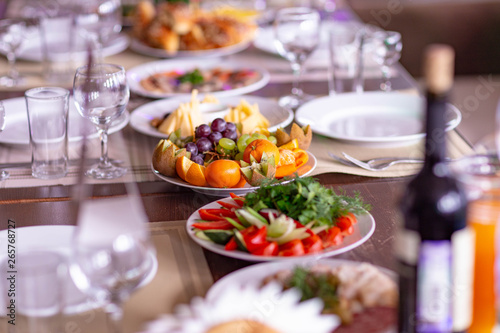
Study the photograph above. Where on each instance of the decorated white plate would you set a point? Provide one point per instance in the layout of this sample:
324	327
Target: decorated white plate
57	238
371	118
141	117
144	49
137	74
304	171
362	232
16	130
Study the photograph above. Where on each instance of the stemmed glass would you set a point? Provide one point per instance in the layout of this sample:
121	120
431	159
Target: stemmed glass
12	34
3	174
297	34
387	47
101	94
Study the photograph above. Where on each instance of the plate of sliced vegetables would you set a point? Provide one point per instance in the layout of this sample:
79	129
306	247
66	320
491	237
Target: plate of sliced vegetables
278	222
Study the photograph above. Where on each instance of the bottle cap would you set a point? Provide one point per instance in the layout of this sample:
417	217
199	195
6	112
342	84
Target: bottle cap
439	62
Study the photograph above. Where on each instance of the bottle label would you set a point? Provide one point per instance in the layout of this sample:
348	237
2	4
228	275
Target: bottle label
434	287
463	268
406	246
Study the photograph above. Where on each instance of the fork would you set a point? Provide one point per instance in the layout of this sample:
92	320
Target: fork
3	174
379	164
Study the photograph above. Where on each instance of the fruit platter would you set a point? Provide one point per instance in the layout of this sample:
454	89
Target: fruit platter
234	153
296	219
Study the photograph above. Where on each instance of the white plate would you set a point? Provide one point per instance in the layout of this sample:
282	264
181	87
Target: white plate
255	274
371	118
362	231
144	49
138	73
16	130
32	49
58	238
224	192
140	118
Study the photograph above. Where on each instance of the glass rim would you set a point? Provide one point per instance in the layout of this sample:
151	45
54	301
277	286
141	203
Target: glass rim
297	11
83	70
61	93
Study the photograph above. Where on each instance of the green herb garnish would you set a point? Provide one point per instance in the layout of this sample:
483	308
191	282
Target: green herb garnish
306	200
193	77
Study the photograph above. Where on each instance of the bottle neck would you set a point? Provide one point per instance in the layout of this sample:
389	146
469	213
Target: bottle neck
435	123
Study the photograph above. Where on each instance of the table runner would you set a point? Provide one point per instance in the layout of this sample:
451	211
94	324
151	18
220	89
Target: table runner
182	274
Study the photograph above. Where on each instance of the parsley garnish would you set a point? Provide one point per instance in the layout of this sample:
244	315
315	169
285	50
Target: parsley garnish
193	77
306	200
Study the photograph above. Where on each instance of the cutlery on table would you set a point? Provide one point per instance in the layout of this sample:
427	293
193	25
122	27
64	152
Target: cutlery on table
375	164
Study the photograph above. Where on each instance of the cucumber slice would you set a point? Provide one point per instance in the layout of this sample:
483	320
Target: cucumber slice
218	236
238	237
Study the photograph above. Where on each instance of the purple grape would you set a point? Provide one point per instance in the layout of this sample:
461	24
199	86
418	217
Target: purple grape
198	159
204	145
202	131
218	125
192	148
230	134
214	137
231	127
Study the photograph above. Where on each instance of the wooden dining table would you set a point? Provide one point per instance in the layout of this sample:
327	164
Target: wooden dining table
167	203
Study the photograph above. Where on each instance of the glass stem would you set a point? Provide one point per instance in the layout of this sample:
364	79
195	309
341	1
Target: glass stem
104	160
13	73
386	78
297	71
114	314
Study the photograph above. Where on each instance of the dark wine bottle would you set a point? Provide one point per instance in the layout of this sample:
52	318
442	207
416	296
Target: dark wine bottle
434	274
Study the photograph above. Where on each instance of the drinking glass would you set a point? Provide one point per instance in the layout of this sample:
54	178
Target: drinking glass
101	94
387	51
97	22
297	34
12	34
3	174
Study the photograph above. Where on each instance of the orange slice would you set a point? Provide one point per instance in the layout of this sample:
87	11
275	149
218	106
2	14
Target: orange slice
182	166
286	157
290	145
196	175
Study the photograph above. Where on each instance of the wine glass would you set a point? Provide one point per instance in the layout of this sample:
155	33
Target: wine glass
297	34
101	94
3	174
387	51
111	264
12	34
98	21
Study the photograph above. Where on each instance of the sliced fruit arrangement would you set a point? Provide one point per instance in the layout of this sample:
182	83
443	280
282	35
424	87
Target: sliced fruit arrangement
281	220
226	158
303	135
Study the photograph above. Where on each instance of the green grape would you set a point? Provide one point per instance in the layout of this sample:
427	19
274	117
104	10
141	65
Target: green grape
250	139
239	156
242	142
227	143
272	139
222	151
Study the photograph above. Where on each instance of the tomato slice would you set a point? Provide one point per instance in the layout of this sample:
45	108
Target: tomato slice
220	225
291	248
239	200
312	244
266	249
344	223
215	214
231	245
254	237
300	225
331	237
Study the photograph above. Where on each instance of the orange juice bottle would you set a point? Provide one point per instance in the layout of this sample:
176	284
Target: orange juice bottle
483	217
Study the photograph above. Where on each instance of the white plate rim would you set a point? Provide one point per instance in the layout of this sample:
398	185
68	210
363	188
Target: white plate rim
224	192
301	118
137	73
139	119
219	249
67	232
19	102
144	49
254	274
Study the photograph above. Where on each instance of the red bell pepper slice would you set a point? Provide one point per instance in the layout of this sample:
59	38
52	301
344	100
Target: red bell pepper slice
231	245
227	205
291	248
215	214
219	225
267	249
254	237
239	200
312	244
331	237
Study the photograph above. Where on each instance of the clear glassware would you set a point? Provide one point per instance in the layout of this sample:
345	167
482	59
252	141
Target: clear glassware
12	35
297	35
105	102
387	51
3	174
97	22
